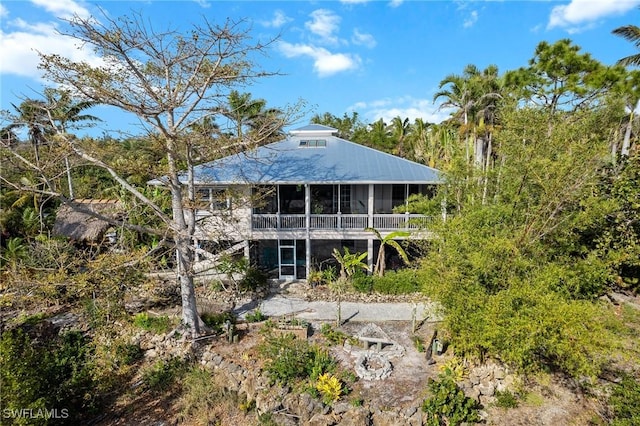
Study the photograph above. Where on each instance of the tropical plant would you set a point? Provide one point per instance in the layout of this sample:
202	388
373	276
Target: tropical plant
350	262
630	33
388	240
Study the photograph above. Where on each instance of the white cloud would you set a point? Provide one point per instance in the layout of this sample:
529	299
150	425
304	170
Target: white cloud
363	39
404	107
585	12
471	19
19	48
395	3
325	24
3	11
325	63
63	8
278	20
354	1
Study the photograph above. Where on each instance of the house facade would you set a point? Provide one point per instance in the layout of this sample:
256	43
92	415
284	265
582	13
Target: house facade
288	204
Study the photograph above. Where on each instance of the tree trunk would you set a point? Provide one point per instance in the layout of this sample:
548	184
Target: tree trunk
626	143
184	256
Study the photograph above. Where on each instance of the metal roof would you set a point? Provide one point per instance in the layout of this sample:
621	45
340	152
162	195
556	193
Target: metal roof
314	161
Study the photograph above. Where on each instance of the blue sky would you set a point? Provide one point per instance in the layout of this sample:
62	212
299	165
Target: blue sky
379	58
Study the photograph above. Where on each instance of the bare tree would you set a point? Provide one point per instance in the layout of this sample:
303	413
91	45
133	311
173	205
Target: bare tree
171	80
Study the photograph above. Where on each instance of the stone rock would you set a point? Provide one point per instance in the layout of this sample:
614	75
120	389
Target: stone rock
357	416
486	401
416	419
499	373
270	399
409	412
473	393
386	418
321	420
341	407
282	419
302	405
487	387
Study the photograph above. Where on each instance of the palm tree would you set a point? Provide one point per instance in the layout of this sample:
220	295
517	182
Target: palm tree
31	114
64	113
251	115
379	135
399	130
630	33
388	240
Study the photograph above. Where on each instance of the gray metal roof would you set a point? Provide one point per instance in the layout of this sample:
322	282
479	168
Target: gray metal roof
340	161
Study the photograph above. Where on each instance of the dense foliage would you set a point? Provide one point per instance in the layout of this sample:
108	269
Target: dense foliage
542	198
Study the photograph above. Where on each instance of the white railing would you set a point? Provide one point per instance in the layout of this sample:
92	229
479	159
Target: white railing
339	221
292	221
324	221
354	221
264	221
400	221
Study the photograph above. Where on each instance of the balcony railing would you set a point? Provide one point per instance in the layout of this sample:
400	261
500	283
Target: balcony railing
339	221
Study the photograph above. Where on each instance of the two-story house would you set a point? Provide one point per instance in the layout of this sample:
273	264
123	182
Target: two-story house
290	203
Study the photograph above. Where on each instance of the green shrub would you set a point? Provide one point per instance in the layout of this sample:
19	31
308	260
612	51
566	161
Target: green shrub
216	321
253	280
448	403
288	359
506	399
46	373
128	353
362	282
403	281
335	337
255	316
155	324
625	402
163	374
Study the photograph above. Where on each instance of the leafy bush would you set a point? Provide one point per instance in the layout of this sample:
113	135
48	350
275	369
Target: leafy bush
448	403
362	282
253	280
506	399
288	359
163	374
128	353
625	402
216	321
455	368
403	281
330	388
46	373
158	325
333	336
255	316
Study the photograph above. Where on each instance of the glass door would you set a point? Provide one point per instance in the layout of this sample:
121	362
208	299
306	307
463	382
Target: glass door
287	259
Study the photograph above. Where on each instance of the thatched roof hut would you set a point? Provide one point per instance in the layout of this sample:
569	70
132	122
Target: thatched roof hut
75	221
